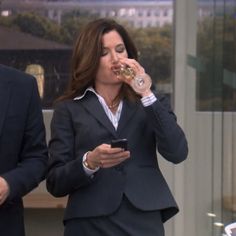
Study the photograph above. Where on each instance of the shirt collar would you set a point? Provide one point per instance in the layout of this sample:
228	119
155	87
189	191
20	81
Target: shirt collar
91	89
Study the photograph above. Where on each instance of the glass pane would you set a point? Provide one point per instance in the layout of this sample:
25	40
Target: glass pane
211	125
46	30
216	52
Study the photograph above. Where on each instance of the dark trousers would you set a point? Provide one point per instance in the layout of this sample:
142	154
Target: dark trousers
11	220
126	221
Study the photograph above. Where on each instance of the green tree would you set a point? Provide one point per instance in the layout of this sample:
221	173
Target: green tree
216	48
38	25
6	21
155	48
34	24
73	21
154	43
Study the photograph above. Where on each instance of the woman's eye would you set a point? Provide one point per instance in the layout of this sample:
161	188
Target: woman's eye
120	49
104	52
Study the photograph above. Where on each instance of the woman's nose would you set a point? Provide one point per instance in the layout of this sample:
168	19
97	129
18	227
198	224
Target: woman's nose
115	57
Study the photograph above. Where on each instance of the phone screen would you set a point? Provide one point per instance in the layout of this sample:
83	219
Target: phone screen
122	143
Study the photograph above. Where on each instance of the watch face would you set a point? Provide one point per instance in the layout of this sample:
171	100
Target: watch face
86	164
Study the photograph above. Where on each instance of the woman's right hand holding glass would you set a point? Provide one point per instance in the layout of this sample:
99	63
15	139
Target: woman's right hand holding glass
132	73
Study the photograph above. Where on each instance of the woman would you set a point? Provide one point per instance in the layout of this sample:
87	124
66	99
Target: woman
112	191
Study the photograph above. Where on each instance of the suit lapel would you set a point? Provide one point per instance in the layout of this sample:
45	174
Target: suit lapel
93	106
4	99
127	114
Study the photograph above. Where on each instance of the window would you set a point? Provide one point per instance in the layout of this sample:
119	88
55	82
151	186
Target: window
149	13
46	35
216	49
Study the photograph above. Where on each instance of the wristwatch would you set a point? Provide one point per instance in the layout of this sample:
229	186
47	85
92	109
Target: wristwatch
86	164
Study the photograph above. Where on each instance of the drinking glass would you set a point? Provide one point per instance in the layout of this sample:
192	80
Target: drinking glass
139	82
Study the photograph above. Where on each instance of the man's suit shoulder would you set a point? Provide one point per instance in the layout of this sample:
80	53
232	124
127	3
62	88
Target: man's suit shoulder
9	74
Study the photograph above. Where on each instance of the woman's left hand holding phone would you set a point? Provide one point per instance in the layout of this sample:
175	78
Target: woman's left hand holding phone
104	156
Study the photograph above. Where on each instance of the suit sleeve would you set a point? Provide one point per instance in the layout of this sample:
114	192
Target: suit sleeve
171	140
66	172
31	168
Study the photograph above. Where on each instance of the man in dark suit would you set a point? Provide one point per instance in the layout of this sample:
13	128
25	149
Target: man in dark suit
23	152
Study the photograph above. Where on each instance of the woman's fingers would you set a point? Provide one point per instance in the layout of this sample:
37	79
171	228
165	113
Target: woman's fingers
104	156
107	163
132	63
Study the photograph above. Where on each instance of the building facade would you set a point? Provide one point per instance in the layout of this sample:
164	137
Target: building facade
139	14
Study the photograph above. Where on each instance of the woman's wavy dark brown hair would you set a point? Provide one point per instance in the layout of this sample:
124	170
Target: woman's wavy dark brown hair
86	56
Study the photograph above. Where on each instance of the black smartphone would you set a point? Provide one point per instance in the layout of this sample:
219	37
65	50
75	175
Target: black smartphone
121	143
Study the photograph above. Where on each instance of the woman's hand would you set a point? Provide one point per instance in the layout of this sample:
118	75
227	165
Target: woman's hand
104	156
134	65
136	70
4	190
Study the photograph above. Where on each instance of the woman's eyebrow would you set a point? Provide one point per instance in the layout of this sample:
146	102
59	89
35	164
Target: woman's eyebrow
120	44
